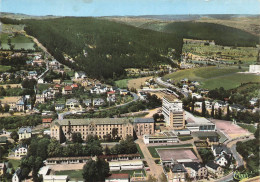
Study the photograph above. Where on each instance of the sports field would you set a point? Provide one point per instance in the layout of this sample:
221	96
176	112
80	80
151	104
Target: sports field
215	77
4	68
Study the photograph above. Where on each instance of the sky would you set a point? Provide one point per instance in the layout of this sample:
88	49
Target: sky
129	7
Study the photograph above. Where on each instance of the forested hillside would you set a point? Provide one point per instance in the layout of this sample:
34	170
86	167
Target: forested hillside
103	48
223	35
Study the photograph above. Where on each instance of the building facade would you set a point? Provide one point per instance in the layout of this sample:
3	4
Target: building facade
25	132
144	126
63	129
173	112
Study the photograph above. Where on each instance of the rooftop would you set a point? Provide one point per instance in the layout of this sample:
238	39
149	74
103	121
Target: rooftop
144	120
25	129
105	121
192	120
170	98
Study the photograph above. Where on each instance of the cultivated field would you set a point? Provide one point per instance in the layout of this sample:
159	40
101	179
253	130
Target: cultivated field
19	41
136	83
215	77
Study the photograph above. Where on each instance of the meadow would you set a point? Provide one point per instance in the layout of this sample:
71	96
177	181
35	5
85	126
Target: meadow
19	42
4	68
215	77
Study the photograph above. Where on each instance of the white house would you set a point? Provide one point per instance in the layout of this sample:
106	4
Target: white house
25	132
17	175
214	168
118	178
72	103
98	102
55	178
222	160
80	75
20	150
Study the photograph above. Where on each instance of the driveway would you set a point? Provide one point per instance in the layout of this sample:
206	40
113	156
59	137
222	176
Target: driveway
155	170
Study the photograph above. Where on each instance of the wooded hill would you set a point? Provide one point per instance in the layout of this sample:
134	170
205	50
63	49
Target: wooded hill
109	47
221	34
103	48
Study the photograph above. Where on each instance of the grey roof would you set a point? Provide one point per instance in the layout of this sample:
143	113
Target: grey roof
104	121
213	138
193	165
221	148
212	165
178	168
72	101
144	120
23	129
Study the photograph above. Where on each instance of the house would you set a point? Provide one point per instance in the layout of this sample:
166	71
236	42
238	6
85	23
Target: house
55	178
72	103
87	102
25	132
2	168
118	178
144	126
67	90
80	75
142	95
32	74
57	88
177	173
74	86
219	150
40	98
253	101
59	107
223	160
123	92
46	122
40	81
214	168
98	102
196	170
236	107
17	175
56	81
111	96
219	104
16	103
198	96
212	140
20	151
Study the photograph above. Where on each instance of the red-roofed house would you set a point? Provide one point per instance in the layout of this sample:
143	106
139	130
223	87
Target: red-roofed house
57	88
46	121
118	178
75	86
67	90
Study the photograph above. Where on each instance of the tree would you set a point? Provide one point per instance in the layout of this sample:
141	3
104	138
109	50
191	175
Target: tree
206	155
95	170
54	148
203	112
76	138
107	151
114	132
228	113
161	117
219	113
6	108
69	129
14	135
212	111
156	117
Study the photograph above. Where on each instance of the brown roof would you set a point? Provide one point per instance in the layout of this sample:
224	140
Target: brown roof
170	97
67	88
118	176
46	120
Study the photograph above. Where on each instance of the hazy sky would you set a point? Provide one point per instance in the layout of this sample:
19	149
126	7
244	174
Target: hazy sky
129	7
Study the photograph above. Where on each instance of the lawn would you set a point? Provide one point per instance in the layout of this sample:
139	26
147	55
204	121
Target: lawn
15	163
71	173
154	153
130	172
19	41
42	87
4	68
122	83
215	77
248	127
140	151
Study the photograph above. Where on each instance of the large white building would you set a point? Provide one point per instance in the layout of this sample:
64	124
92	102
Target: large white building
195	124
173	112
163	137
254	68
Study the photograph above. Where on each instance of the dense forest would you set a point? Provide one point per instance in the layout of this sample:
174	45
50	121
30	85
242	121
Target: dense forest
103	48
222	35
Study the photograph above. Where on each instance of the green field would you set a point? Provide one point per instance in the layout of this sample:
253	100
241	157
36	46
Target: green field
122	83
73	174
19	41
250	128
154	153
215	77
130	172
4	68
140	151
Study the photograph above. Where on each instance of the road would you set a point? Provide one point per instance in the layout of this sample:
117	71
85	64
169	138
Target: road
159	81
155	170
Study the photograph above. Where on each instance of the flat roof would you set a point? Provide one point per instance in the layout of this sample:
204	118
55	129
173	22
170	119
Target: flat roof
193	120
105	121
171	98
144	120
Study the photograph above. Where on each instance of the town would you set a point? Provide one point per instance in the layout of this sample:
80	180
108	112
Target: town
191	118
